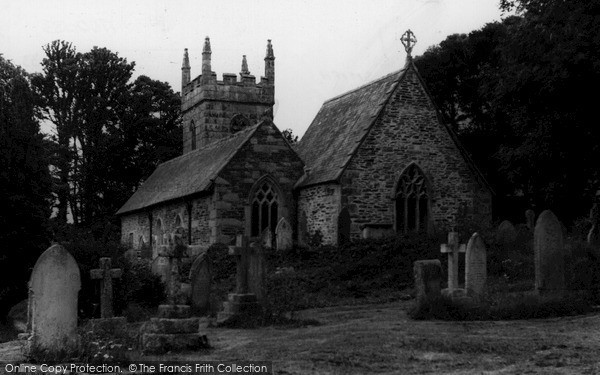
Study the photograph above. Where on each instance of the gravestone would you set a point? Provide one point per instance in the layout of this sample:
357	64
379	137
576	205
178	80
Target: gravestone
283	234
428	281
344	226
530	219
266	238
476	267
200	278
249	268
55	283
173	329
161	266
453	248
506	233
549	254
105	274
257	271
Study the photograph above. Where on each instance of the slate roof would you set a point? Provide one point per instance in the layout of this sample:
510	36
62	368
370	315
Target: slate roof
188	174
340	126
343	122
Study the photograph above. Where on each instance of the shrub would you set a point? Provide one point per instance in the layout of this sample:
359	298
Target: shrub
138	288
286	293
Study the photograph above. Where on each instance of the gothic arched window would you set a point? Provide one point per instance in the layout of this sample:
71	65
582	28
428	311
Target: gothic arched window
412	201
265	207
193	134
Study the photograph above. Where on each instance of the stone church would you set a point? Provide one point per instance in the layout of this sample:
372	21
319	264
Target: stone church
376	160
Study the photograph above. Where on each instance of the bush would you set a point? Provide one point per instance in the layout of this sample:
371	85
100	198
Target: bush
139	290
371	270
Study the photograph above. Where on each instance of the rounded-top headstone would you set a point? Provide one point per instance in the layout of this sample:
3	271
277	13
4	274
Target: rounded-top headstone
55	283
549	254
476	266
506	232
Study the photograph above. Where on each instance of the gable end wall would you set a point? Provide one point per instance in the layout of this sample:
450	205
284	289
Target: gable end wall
408	131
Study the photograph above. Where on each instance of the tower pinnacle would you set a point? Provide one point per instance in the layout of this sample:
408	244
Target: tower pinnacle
206	52
270	64
185	69
244	66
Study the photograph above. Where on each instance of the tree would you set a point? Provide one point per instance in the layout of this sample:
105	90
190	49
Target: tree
24	183
517	92
110	133
58	89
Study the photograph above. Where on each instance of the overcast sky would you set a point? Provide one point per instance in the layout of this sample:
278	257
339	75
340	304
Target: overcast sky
322	48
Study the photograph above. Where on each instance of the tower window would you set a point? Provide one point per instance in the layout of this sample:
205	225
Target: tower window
265	208
412	201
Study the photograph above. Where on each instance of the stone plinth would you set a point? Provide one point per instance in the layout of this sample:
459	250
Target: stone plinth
173	330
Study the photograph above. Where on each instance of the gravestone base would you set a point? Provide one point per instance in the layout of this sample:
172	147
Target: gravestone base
109	325
239	305
460	297
173	330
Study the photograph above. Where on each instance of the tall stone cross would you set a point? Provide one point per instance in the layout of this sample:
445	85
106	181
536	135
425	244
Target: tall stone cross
175	251
408	40
241	251
105	274
452	248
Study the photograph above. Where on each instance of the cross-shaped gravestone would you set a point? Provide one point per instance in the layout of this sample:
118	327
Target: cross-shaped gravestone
408	40
241	253
105	274
452	248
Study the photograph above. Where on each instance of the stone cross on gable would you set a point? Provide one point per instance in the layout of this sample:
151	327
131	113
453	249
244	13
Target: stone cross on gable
409	40
105	274
241	251
453	248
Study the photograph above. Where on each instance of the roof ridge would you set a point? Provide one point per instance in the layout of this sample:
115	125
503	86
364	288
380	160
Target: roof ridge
364	85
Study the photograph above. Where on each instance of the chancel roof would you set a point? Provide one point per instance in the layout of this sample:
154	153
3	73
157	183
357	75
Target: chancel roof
340	126
191	173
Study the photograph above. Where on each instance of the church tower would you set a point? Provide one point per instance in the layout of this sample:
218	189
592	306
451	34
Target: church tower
213	109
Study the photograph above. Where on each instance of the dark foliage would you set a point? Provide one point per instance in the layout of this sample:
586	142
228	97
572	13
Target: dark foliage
110	133
24	185
517	92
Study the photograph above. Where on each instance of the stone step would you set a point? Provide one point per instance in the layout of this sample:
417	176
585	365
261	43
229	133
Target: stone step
159	343
163	325
174	311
